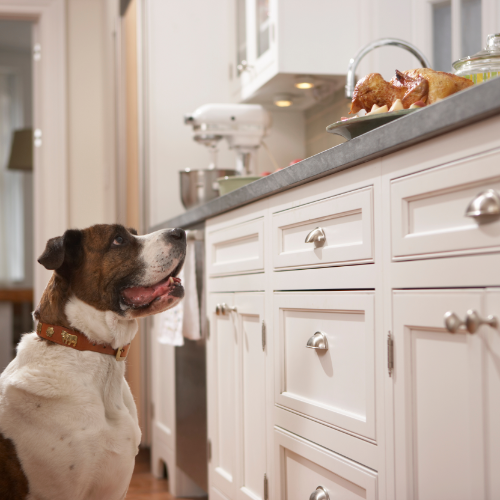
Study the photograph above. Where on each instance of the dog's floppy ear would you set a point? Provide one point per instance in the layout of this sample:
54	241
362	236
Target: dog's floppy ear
65	249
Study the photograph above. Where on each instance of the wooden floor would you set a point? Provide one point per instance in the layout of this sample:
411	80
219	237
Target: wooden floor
144	486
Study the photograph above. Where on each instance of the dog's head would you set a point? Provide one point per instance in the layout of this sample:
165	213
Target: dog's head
111	268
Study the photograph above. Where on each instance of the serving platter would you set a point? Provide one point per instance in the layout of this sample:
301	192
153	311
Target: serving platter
349	129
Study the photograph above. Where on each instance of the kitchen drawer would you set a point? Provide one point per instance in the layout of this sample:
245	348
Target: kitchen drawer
335	386
303	466
428	209
236	249
347	221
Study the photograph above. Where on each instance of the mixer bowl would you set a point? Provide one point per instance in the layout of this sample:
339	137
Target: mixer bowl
200	186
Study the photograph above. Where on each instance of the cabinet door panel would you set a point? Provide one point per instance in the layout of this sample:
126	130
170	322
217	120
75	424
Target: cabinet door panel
221	350
251	395
303	466
438	404
335	385
491	337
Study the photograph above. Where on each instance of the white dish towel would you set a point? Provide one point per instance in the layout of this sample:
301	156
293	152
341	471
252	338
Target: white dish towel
183	320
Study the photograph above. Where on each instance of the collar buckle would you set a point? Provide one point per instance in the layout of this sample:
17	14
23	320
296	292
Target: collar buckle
119	352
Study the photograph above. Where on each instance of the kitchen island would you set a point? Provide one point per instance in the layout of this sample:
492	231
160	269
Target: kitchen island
353	303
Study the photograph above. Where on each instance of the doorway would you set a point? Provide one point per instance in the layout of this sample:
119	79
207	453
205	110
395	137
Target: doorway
16	184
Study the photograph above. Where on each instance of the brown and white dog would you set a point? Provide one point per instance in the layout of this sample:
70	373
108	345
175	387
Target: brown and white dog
68	422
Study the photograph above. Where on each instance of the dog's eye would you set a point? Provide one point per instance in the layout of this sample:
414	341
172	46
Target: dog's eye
118	241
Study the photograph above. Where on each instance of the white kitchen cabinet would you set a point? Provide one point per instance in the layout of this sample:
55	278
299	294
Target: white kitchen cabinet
221	393
237	395
397	408
283	37
446	397
334	385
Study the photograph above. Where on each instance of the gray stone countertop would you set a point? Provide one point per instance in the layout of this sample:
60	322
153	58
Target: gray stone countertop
461	109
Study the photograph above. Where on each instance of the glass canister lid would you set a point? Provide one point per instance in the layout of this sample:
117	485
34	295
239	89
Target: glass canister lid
484	62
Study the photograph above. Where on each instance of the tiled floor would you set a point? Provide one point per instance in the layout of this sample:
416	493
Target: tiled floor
144	486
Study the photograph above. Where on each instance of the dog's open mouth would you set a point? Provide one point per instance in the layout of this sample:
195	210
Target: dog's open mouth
143	296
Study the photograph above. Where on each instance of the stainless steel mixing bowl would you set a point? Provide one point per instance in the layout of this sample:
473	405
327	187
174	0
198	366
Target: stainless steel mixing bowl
200	186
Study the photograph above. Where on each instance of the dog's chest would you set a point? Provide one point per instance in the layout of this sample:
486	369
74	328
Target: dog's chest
74	423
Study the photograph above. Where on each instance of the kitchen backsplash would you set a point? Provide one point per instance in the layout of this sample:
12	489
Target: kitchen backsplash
319	117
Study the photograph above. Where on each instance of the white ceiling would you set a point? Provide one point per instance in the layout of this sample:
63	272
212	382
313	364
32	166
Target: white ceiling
15	35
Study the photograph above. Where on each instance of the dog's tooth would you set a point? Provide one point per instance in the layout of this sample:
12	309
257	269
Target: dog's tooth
171	280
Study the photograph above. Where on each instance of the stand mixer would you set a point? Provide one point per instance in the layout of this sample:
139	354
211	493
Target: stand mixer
242	125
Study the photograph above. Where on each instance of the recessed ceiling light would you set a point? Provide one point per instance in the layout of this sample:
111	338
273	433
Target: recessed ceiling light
283	100
305	82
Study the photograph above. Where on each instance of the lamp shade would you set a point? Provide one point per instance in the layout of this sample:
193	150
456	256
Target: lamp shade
21	151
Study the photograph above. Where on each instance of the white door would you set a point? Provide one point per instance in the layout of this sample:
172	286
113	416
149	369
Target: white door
251	396
439	398
221	384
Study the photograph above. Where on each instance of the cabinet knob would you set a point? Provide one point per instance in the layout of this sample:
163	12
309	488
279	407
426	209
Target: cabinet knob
484	204
243	66
223	309
318	341
316	236
319	494
452	322
473	321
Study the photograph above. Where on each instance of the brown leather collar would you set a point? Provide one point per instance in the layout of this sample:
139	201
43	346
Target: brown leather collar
71	338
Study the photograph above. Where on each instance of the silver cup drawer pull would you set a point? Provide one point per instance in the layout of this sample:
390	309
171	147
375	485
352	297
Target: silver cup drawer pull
316	236
223	309
318	341
471	323
319	493
484	204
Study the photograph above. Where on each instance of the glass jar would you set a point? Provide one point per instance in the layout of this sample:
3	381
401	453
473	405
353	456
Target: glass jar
481	66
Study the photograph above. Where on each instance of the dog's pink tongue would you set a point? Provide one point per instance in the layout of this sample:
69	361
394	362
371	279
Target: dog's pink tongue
142	295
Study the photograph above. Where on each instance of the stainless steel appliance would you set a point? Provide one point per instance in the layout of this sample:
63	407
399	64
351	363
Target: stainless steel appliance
200	186
191	388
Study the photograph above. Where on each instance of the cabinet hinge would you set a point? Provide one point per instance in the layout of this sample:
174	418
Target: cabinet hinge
37	52
263	335
390	354
209	450
266	488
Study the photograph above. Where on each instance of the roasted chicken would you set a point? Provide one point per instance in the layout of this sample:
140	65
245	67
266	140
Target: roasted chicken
421	84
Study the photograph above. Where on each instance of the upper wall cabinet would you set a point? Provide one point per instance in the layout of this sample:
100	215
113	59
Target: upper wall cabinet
276	40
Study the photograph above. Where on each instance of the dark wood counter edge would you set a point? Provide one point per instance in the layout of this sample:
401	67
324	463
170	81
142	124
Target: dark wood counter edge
16	295
465	108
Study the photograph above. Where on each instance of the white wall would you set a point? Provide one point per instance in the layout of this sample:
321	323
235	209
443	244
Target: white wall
186	50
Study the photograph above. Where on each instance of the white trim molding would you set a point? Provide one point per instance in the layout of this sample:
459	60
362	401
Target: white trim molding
49	116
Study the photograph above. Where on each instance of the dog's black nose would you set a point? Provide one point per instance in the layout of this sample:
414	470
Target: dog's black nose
176	234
